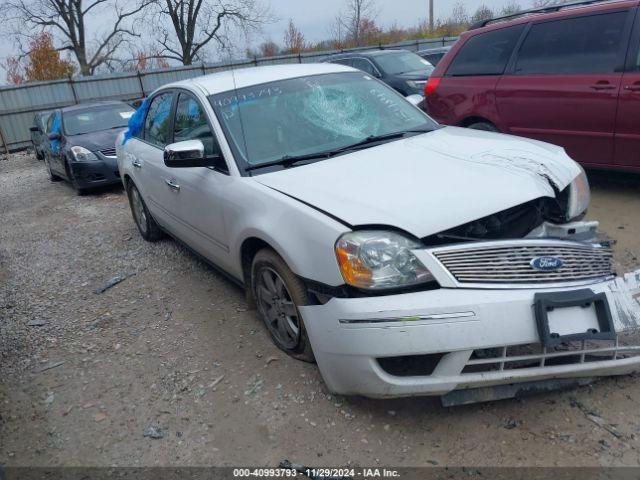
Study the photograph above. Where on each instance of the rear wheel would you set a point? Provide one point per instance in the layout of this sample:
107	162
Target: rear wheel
149	229
279	293
485	126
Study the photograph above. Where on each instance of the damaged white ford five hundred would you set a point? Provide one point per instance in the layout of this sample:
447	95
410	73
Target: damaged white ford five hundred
404	257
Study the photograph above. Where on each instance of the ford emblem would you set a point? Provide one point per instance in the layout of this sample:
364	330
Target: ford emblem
547	264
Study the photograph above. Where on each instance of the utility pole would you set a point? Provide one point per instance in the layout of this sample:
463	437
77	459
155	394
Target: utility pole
431	23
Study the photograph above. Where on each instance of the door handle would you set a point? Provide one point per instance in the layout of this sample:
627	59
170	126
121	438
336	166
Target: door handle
603	86
136	163
172	185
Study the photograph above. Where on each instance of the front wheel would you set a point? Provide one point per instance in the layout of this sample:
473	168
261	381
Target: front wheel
80	191
279	293
50	175
149	229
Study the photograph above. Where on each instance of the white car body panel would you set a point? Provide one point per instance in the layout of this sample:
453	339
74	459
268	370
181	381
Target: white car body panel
431	182
423	185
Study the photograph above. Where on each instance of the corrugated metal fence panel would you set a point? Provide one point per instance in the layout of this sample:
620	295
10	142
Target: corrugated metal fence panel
19	103
103	87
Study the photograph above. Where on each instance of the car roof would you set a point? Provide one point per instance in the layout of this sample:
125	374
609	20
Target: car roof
367	53
434	50
551	12
247	77
89	106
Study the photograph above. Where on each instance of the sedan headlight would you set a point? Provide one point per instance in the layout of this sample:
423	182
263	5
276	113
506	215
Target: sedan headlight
378	260
417	84
81	154
579	196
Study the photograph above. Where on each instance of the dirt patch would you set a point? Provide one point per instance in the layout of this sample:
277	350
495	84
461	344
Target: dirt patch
169	368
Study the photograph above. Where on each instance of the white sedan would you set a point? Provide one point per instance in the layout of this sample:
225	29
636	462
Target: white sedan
404	257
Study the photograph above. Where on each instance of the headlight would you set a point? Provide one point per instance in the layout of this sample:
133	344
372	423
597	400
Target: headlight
579	196
416	85
81	154
377	260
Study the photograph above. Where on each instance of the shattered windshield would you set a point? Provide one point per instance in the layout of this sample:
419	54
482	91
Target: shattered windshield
308	115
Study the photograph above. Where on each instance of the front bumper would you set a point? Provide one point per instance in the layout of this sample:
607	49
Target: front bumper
457	329
96	174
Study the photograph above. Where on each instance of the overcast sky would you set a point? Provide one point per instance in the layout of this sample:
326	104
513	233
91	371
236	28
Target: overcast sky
314	17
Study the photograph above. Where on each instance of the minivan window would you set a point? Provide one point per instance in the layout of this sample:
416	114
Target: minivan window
156	125
573	46
486	53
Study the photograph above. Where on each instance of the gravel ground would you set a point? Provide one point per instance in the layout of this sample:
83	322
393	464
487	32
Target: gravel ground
169	368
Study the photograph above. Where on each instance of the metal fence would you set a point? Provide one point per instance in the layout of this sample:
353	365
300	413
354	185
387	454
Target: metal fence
19	103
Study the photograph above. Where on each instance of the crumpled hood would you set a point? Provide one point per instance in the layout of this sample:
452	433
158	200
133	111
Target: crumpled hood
429	183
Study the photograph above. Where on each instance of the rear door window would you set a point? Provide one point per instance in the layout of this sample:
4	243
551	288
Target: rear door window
157	123
486	53
573	46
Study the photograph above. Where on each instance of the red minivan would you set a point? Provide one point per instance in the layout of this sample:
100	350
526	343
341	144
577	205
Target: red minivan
568	75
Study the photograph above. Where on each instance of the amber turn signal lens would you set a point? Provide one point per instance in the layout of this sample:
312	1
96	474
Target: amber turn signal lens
352	268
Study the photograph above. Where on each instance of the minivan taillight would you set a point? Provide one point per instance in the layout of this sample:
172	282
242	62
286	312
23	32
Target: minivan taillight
432	85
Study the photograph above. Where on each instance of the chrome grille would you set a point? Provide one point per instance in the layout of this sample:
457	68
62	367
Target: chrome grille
108	152
535	355
511	263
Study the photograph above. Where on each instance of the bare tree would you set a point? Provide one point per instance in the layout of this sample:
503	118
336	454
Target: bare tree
511	8
67	20
357	11
294	41
459	15
194	24
482	13
548	3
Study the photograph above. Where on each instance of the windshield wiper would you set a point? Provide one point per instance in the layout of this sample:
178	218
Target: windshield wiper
289	160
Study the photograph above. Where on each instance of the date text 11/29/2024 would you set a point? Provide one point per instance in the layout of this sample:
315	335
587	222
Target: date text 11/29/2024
291	471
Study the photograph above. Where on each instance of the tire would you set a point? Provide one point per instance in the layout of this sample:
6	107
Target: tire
50	175
147	226
39	155
74	183
484	126
277	303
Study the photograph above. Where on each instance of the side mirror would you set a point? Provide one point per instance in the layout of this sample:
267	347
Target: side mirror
188	154
415	99
54	136
34	129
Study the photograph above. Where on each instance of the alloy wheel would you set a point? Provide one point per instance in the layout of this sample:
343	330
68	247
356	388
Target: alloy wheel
138	210
277	308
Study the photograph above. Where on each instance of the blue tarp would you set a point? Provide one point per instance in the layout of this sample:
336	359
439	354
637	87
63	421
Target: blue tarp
55	128
136	122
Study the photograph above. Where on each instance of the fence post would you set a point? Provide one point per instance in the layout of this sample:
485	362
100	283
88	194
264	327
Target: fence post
204	72
255	61
139	75
4	142
299	57
73	90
